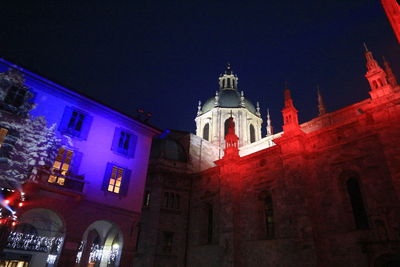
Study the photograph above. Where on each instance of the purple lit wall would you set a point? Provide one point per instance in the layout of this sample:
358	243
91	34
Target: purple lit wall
51	101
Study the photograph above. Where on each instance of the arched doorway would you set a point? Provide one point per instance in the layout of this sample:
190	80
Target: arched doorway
101	245
38	238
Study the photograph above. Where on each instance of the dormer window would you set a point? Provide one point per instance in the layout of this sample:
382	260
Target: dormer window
15	96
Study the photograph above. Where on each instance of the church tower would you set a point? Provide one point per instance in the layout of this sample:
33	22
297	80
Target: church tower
213	117
376	77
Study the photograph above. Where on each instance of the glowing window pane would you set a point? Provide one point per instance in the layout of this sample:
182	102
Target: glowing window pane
52	179
3	133
60	181
115	179
61	165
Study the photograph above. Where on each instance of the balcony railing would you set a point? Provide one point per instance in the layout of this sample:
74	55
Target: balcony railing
54	178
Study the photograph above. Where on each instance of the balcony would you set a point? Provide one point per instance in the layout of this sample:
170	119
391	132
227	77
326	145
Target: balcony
54	180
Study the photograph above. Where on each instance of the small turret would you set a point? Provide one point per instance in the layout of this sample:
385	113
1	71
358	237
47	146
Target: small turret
289	112
391	78
376	76
269	126
321	104
228	81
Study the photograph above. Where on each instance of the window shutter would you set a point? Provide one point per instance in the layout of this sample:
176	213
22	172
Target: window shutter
117	133
125	182
62	127
76	162
107	176
87	122
132	145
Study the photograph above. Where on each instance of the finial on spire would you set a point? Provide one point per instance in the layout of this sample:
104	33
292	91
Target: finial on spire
216	101
269	126
199	108
321	104
258	109
228	68
242	103
366	48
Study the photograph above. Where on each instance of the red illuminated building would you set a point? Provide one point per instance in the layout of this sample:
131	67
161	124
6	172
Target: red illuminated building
321	193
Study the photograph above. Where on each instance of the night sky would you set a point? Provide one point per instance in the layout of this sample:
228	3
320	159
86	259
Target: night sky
164	56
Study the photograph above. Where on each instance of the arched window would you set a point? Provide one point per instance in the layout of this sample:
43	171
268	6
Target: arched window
357	203
269	217
252	134
375	84
380	82
206	132
226	126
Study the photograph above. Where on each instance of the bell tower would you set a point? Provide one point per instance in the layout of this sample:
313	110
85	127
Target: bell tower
376	77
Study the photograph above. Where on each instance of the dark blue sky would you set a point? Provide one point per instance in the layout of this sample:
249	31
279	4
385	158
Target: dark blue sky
164	56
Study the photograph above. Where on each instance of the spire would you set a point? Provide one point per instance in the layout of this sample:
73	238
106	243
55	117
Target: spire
321	104
199	109
289	112
391	78
258	109
216	101
269	126
242	104
288	97
376	77
371	62
228	68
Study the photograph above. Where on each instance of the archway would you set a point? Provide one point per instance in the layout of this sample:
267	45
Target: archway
39	236
101	245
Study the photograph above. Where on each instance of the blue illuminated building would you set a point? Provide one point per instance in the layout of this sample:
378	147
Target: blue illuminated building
86	203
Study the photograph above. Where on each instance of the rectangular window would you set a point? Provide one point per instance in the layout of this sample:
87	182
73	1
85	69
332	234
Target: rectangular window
115	182
75	122
171	200
168	240
124	142
61	166
3	134
15	96
116	179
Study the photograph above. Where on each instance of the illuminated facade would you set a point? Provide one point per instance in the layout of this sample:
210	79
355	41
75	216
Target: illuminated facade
83	203
212	117
321	193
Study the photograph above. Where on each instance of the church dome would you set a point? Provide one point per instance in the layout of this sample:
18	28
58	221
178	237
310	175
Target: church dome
228	96
167	148
228	99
